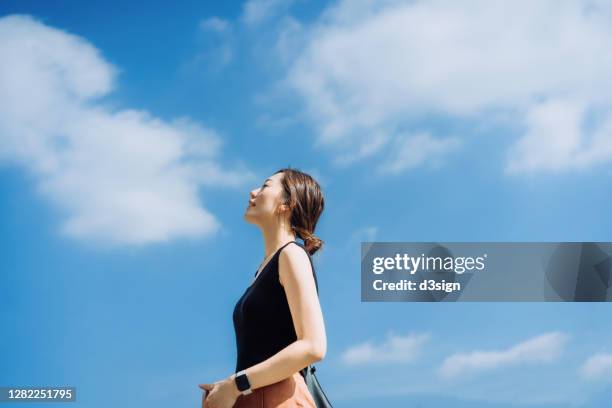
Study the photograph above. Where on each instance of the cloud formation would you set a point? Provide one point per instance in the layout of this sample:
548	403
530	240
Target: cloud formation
215	24
118	176
396	349
216	45
543	348
256	12
378	70
597	367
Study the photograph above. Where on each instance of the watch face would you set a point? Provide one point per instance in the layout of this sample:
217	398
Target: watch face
242	382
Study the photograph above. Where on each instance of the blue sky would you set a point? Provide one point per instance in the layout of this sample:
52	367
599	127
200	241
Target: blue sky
131	134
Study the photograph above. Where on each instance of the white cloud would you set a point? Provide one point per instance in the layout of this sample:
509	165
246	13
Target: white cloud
257	11
216	43
529	382
555	139
215	24
598	366
370	67
370	146
289	38
396	349
410	151
123	177
544	348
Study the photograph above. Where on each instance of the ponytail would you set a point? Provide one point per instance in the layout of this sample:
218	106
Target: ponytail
311	241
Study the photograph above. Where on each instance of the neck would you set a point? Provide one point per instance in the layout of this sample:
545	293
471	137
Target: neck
273	239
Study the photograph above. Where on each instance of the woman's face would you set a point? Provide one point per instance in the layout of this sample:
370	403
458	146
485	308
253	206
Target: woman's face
264	201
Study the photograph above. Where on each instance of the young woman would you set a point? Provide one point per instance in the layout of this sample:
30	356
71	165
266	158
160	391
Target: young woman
278	320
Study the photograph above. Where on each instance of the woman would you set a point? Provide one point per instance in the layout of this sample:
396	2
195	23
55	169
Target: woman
278	320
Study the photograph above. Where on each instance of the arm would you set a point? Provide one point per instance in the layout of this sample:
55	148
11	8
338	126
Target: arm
296	276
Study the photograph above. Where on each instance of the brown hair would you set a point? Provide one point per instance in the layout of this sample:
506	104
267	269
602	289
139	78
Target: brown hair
303	195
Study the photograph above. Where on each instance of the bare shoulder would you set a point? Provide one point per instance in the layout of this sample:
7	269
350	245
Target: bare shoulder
293	260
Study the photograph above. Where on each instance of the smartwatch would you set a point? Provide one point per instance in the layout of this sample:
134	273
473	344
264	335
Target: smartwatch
242	382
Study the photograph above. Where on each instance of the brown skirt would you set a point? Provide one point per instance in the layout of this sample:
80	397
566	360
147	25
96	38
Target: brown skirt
291	392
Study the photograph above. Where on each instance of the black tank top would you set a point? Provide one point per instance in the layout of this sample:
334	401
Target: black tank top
262	318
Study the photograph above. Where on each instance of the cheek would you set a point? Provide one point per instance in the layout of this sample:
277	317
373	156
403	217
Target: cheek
266	203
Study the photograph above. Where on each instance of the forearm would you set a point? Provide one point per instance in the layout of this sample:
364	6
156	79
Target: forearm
283	364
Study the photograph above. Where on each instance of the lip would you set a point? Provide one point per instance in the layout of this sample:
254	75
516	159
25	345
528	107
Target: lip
251	204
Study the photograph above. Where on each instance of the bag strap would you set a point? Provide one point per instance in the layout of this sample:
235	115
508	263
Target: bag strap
305	370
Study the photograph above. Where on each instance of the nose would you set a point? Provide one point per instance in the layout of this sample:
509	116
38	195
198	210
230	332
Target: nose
253	194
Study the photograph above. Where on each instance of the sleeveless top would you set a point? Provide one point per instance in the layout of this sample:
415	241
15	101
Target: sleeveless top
262	318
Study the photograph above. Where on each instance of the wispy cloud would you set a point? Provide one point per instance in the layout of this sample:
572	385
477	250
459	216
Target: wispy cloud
395	349
217	46
543	348
215	24
258	11
556	140
597	367
119	176
523	374
411	151
372	69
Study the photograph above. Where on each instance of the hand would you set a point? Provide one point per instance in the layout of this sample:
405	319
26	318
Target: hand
221	394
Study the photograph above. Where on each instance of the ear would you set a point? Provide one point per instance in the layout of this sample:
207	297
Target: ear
282	208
